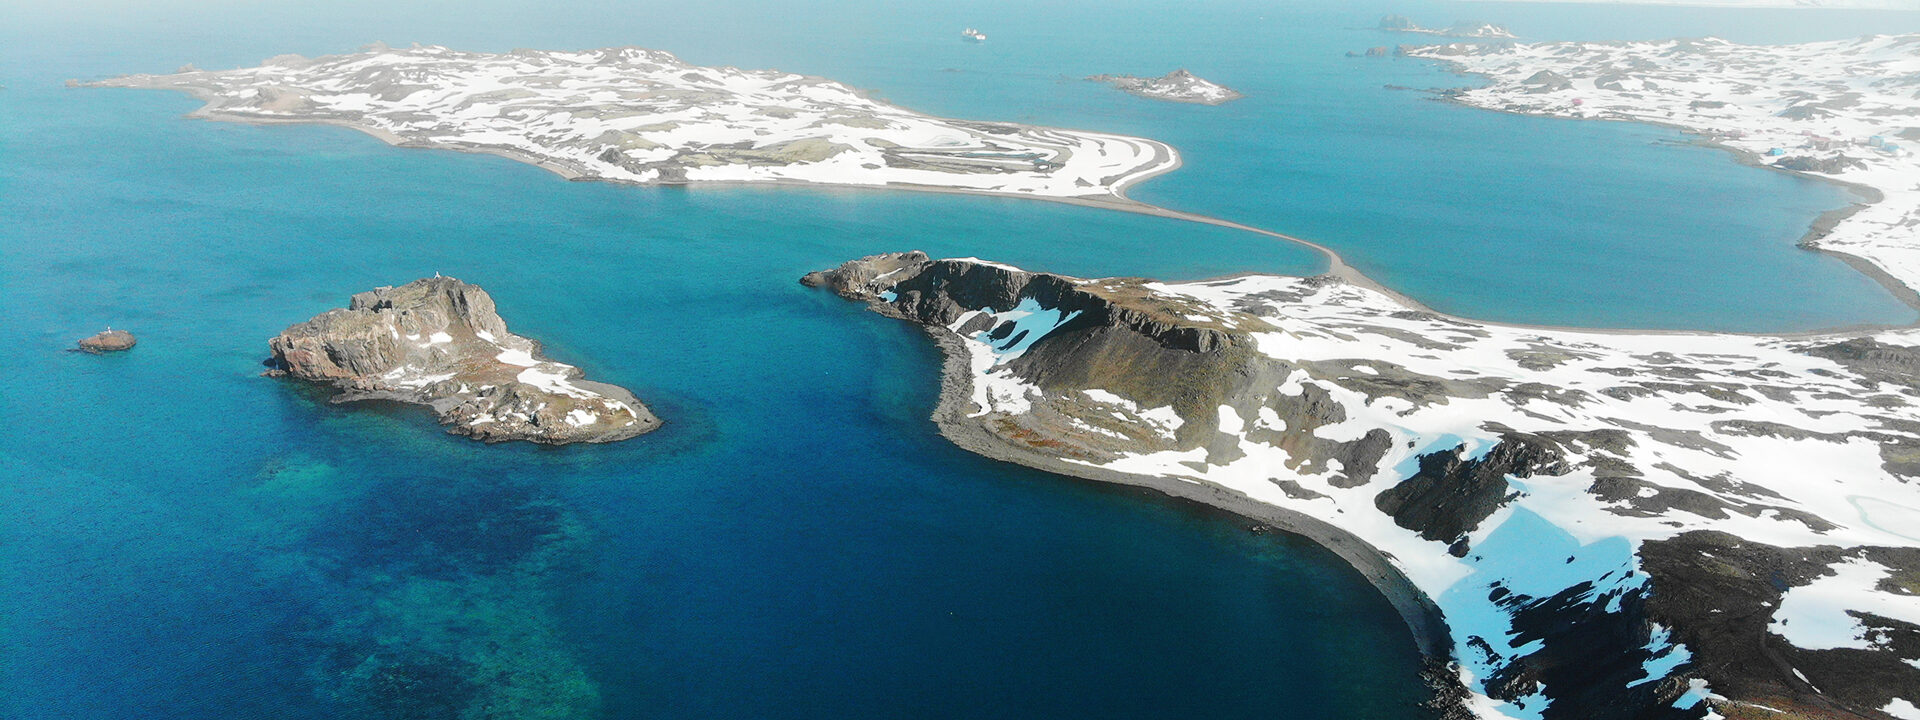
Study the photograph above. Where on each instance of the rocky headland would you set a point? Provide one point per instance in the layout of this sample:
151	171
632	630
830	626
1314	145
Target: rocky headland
106	341
1176	86
1575	524
439	342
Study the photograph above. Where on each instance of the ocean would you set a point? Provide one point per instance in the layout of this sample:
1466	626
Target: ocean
181	538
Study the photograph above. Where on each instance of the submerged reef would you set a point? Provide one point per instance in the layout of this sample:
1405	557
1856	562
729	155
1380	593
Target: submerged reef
431	597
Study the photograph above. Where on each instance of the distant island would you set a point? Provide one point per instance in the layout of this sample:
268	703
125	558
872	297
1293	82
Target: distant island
1843	111
1176	86
106	341
439	342
644	116
1573	523
1401	23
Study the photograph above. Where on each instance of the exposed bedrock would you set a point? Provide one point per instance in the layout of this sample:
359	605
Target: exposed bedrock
1591	658
1721	595
439	342
1120	339
1451	493
1895	365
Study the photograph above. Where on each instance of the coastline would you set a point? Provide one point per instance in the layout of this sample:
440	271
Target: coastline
1418	612
1820	227
1422	617
1337	266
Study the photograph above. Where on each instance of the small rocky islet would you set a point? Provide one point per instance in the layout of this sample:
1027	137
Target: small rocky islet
106	341
439	342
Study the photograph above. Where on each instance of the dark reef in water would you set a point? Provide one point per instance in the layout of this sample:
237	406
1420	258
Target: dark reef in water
436	594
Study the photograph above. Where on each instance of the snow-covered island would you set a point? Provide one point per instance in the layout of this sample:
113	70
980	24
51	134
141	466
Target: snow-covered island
439	342
1176	86
1402	23
1575	524
644	116
1845	110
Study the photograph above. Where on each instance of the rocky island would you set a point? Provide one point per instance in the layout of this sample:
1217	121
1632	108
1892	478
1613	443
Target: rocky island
1844	111
106	341
439	342
644	116
1575	524
1176	86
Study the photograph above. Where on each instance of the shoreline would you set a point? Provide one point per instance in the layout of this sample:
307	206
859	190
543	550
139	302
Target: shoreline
1422	617
1418	612
1337	266
1821	226
1426	625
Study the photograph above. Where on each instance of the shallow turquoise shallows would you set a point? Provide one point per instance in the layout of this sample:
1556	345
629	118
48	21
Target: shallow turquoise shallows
181	538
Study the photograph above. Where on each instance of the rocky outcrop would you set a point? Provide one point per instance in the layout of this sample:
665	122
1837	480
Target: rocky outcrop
1879	362
1122	369
1832	165
1452	493
1722	595
1176	86
1546	81
107	341
439	342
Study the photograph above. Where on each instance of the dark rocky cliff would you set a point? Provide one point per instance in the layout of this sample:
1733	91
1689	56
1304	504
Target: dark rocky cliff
1151	349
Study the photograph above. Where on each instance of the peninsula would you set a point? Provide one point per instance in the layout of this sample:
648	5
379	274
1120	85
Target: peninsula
644	116
1176	86
1574	523
439	342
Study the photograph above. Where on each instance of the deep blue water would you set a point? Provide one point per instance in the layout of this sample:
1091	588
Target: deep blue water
180	538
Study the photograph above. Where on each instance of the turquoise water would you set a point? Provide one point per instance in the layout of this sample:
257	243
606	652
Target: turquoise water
181	538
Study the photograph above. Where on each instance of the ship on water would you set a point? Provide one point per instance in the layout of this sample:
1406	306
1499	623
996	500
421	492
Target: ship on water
973	35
